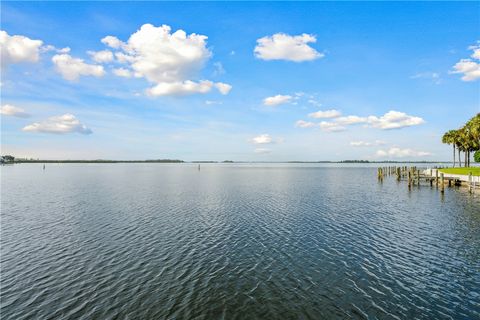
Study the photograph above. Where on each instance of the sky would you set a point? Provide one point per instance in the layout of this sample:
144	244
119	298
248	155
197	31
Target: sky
242	81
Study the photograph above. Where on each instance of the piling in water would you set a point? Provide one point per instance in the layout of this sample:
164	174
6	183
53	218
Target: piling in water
442	183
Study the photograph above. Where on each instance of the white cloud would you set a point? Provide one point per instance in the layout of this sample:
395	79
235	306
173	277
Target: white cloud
433	76
9	110
186	88
180	88
262	139
169	60
314	102
64	50
17	49
49	47
394	120
349	120
476	51
366	143
325	114
262	150
72	68
304	124
396	152
360	144
66	123
390	120
282	46
223	87
103	56
469	67
277	100
122	72
212	102
112	42
331	126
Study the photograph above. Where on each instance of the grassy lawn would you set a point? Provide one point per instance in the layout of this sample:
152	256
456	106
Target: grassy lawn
474	170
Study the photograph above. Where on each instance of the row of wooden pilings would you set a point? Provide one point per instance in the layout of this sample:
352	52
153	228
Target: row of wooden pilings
413	176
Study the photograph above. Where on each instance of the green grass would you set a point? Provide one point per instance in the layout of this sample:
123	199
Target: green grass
475	171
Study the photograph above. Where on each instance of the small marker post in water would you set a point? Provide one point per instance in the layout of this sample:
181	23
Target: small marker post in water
44	166
198	167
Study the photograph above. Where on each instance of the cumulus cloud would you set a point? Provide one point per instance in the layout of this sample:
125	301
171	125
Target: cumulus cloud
282	46
394	120
349	120
396	152
277	100
304	124
325	114
390	120
9	110
223	88
72	68
168	59
470	68
366	143
66	123
331	126
103	56
476	51
18	49
112	42
122	72
180	88
262	150
186	88
262	139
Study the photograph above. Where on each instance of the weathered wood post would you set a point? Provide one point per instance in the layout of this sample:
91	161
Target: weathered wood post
418	177
436	178
442	183
470	182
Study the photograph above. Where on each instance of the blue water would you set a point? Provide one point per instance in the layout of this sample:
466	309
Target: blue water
234	241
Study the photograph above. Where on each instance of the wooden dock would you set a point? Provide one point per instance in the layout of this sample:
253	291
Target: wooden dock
431	176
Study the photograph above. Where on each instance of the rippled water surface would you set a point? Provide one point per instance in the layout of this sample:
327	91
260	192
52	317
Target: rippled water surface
166	241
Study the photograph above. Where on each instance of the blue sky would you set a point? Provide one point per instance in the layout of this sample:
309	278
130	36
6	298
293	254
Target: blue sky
340	68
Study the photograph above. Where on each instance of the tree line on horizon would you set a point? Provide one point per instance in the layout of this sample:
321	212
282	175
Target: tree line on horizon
466	140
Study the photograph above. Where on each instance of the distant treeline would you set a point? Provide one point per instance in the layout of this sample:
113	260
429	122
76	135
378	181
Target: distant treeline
11	159
98	161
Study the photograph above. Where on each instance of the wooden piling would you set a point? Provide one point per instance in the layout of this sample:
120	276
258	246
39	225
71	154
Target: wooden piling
470	182
442	183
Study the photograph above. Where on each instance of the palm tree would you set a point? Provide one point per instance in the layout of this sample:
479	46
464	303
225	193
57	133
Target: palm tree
450	138
466	139
472	136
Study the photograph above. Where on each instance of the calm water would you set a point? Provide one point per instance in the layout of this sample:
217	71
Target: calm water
165	241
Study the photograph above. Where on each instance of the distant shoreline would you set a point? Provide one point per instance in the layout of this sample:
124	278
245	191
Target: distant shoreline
206	161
